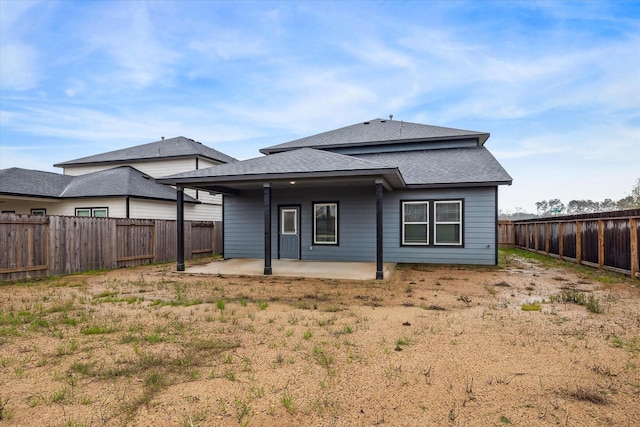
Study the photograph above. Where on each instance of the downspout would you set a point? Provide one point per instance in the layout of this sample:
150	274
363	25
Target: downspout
126	206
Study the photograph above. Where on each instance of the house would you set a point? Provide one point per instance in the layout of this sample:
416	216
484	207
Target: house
380	190
129	190
122	192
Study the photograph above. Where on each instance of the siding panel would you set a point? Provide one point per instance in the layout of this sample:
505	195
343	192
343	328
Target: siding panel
243	233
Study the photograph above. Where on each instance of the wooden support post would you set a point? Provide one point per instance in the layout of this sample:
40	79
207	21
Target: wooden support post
535	237
578	242
560	240
600	243
526	235
633	231
267	229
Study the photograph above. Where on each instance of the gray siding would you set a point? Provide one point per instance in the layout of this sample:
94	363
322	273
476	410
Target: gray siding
243	225
479	225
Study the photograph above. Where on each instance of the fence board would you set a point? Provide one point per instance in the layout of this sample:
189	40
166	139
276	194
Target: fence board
606	240
40	246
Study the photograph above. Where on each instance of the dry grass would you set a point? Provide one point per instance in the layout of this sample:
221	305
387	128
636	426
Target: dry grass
432	346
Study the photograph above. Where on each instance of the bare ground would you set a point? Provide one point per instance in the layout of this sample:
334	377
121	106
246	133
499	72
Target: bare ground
432	346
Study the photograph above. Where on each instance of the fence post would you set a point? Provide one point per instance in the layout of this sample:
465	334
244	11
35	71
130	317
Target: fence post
633	229
600	243
578	242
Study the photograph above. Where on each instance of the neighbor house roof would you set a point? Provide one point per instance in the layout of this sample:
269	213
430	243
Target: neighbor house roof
117	182
377	132
298	163
166	148
27	182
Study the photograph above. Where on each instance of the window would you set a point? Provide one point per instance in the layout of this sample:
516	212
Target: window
325	223
38	211
448	224
289	221
415	223
431	223
95	212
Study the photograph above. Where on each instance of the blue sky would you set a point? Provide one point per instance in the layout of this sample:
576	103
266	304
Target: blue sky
557	84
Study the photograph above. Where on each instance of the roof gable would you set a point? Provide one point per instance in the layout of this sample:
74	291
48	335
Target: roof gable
166	148
377	132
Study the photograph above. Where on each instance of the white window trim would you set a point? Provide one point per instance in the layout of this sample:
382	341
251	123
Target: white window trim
315	241
295	222
436	223
92	212
415	202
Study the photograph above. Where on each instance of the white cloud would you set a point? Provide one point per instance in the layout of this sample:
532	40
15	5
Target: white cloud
128	35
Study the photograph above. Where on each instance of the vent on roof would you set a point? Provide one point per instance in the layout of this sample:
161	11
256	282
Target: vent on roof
382	121
366	123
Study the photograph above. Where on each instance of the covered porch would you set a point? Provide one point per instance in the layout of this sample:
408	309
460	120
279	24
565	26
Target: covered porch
267	199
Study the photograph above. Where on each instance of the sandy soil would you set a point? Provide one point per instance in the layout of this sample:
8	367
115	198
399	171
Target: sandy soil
431	346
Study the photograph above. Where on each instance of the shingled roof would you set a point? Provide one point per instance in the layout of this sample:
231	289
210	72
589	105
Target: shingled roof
302	161
166	148
117	182
452	166
377	132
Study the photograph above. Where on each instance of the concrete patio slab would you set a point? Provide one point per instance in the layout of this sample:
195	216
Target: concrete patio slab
294	268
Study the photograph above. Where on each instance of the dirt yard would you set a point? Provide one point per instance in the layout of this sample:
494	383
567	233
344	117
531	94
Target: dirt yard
527	343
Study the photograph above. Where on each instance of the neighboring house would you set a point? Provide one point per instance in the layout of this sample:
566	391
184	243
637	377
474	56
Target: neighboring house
119	192
382	190
113	194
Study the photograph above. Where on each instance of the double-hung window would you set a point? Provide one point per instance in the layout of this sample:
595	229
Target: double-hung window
95	212
432	223
415	223
325	223
448	223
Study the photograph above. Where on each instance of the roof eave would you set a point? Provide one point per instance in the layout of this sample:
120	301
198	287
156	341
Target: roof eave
137	159
458	184
482	138
185	181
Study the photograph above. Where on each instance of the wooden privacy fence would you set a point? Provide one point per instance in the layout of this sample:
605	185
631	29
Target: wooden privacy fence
39	246
607	240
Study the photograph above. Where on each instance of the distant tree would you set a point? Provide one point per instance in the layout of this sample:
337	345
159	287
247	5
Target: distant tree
635	194
607	205
555	207
542	207
626	203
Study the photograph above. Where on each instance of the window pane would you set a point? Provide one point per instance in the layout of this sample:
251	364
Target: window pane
102	213
325	223
448	212
289	222
415	212
415	233
448	233
83	212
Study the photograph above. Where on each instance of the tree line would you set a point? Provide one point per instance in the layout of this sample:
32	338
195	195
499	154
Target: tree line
574	207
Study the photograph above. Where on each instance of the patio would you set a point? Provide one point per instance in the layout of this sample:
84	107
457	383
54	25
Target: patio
294	268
